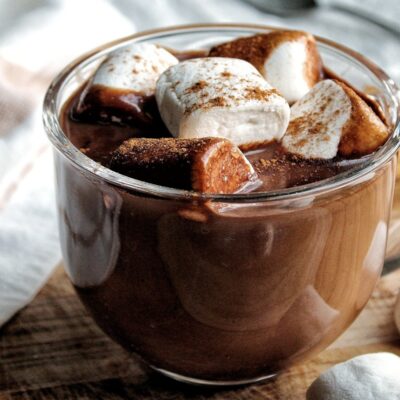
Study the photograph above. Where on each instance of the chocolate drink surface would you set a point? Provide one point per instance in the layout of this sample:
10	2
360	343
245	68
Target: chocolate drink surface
220	291
276	169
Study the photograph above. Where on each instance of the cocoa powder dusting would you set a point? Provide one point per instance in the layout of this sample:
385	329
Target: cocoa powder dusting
311	121
256	93
226	74
279	169
216	102
200	85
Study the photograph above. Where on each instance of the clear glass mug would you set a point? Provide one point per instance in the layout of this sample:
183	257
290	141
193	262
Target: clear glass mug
222	289
392	258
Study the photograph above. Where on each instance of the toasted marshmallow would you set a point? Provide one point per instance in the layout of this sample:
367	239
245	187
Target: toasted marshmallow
221	97
208	165
135	68
288	60
122	89
332	119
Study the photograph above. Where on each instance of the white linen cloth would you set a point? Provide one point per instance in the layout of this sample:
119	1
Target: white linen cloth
37	38
39	43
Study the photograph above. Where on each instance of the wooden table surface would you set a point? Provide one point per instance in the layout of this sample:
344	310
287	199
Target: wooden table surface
53	350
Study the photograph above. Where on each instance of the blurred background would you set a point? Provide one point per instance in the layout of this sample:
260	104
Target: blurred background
39	37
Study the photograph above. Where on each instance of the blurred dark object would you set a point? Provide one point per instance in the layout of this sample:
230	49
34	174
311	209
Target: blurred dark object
290	7
282	7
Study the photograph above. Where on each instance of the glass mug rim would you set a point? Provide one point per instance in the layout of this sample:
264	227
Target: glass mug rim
84	163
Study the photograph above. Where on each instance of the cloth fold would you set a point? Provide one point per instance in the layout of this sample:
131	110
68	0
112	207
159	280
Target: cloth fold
32	50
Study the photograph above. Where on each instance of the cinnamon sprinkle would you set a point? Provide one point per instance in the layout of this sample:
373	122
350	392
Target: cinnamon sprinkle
200	85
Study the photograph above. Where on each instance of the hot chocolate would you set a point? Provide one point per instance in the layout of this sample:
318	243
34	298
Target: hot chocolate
221	289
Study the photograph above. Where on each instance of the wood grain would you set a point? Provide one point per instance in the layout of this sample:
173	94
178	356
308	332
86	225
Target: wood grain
53	350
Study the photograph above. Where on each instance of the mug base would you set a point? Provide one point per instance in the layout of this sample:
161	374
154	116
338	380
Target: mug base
205	382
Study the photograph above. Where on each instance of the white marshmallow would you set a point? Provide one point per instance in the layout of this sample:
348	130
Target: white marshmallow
367	377
317	122
332	119
288	60
221	97
135	67
285	69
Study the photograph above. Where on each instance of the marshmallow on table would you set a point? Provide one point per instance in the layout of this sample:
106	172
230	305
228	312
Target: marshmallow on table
332	119
123	81
222	97
367	377
288	60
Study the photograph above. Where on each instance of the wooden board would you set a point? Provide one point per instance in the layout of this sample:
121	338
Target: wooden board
53	350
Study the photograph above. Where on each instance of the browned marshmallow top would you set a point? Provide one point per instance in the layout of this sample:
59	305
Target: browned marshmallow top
365	131
280	56
256	49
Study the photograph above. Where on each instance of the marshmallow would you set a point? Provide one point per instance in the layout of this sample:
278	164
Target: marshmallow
330	120
288	60
123	85
135	68
221	97
208	165
367	377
